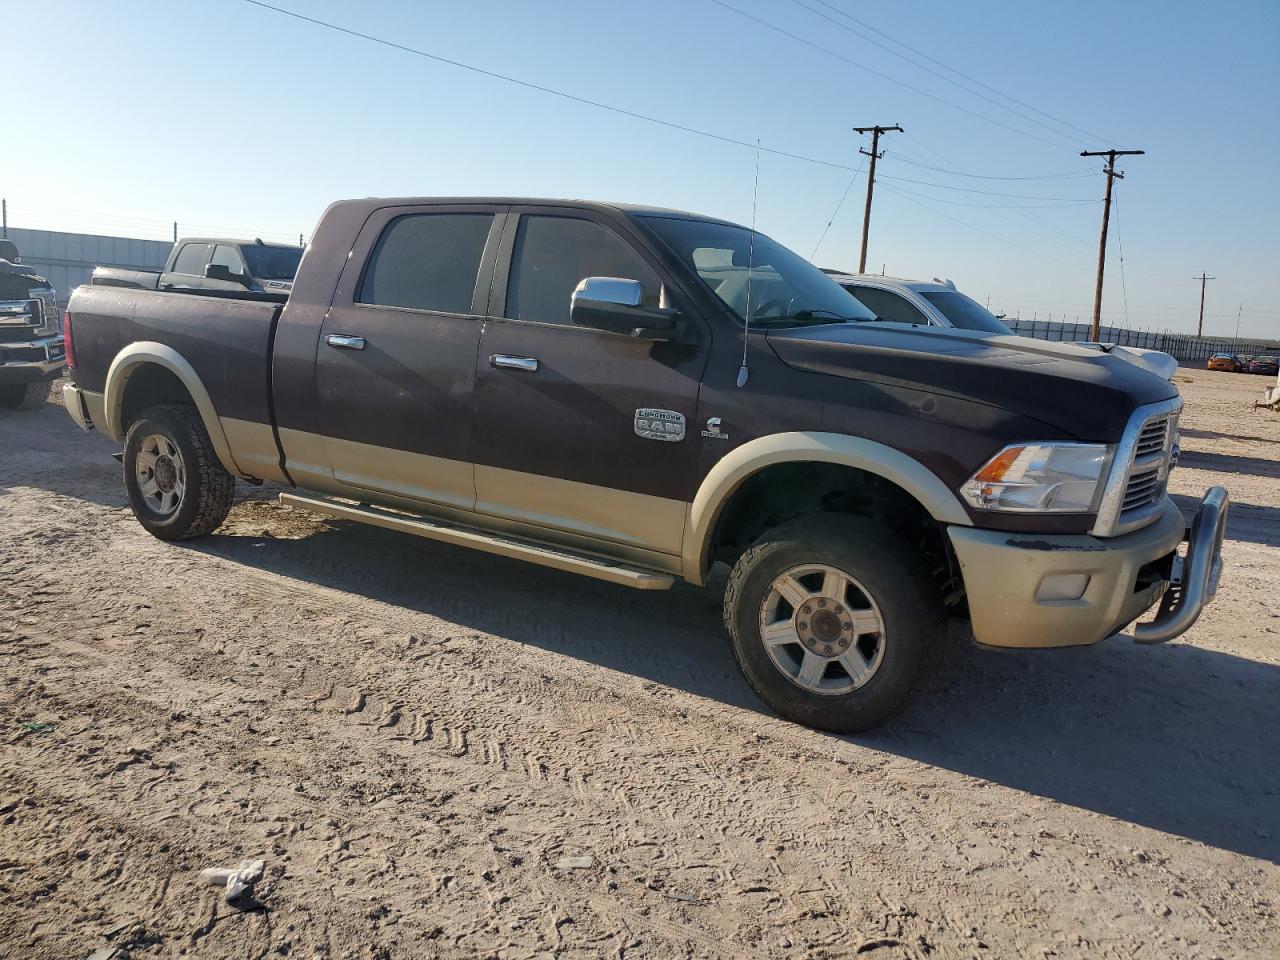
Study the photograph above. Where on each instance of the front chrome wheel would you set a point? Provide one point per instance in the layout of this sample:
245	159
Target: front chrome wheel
822	629
161	474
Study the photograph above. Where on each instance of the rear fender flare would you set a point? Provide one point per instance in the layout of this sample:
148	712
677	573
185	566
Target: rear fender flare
137	355
808	447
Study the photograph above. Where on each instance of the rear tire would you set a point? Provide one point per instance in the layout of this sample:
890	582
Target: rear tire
831	618
177	487
24	396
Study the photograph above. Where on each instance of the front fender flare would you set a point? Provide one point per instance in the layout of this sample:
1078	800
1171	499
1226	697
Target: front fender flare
808	447
137	355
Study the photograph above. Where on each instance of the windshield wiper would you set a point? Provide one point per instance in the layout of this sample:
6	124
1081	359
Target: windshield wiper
804	318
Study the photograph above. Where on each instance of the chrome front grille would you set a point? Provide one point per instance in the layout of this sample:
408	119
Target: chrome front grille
1142	489
1152	437
1140	471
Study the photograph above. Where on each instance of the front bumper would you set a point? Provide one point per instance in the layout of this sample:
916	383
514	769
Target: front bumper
1060	591
30	361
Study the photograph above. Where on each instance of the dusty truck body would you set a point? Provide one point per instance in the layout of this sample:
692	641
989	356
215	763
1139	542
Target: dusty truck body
31	345
578	385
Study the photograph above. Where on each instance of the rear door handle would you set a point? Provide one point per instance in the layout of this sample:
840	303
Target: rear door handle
343	342
529	364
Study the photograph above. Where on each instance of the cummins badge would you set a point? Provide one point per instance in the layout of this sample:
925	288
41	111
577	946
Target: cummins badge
655	424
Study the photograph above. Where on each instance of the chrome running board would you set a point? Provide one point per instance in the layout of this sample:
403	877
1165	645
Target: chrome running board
598	567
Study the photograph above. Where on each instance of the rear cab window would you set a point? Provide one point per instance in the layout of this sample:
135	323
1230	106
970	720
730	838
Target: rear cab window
427	261
964	312
229	257
888	306
553	254
191	259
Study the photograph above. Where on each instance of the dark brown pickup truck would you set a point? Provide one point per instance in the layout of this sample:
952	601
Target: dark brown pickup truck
636	394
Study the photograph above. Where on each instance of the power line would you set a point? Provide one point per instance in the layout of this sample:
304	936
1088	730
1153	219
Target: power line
982	176
989	193
861	66
985	86
965	223
1124	290
1062	205
1025	220
836	211
926	69
529	85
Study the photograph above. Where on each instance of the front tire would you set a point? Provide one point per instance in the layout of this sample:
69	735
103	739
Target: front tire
177	487
24	396
831	618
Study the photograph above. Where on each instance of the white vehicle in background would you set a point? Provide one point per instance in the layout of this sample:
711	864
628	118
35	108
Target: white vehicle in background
938	303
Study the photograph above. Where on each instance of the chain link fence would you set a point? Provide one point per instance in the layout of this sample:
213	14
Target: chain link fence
1181	346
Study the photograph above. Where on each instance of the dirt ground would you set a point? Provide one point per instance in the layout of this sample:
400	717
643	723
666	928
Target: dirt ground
445	754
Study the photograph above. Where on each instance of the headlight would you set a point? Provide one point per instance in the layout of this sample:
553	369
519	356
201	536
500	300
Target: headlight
1040	478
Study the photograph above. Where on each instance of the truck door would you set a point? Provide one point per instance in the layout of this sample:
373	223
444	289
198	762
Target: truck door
395	363
581	431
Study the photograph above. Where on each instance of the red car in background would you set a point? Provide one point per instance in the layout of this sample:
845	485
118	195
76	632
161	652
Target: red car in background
1264	364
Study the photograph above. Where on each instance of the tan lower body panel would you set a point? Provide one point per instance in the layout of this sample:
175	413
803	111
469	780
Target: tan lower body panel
401	473
253	447
602	513
630	527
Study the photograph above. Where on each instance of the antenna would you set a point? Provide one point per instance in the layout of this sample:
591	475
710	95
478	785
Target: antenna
743	373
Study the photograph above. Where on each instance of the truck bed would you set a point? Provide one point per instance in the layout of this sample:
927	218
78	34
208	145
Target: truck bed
227	340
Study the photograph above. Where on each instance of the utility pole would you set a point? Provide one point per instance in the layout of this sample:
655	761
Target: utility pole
4	215
874	154
1239	310
1112	173
1203	278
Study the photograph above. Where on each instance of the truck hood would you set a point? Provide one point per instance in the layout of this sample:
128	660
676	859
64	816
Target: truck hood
1082	391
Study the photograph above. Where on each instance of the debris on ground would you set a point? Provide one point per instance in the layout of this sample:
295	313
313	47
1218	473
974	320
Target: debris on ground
237	880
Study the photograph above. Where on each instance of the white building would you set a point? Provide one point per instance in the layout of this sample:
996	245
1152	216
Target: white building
67	259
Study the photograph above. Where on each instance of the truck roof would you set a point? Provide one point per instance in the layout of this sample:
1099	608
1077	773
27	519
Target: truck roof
630	209
919	286
250	242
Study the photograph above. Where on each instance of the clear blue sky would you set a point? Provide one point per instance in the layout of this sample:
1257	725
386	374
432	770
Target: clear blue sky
227	115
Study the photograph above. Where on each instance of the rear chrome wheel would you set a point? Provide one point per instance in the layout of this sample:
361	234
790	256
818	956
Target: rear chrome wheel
822	630
177	487
160	473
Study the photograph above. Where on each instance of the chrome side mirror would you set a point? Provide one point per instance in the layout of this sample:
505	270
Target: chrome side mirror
615	304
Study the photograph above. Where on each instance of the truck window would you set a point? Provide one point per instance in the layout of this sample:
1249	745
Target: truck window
272	263
888	305
554	254
191	259
228	257
965	313
427	261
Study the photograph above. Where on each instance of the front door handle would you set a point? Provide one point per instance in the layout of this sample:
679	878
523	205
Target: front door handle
529	364
343	342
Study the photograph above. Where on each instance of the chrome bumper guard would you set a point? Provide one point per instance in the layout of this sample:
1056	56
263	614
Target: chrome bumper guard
1194	582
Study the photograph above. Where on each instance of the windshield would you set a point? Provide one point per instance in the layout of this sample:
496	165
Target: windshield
785	289
271	263
965	313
